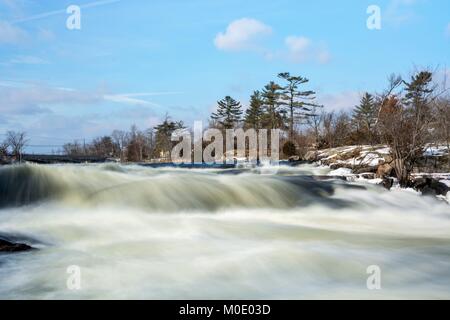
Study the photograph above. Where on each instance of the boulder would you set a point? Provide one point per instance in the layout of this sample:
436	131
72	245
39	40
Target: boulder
311	156
420	183
361	170
324	178
368	176
6	246
429	186
384	170
387	158
387	183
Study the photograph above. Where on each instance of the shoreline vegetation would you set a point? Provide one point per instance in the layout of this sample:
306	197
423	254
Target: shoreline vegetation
393	134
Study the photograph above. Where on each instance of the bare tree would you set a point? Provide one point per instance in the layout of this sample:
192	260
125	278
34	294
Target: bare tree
395	81
102	147
17	141
120	139
405	121
314	121
341	129
73	149
136	150
328	128
441	128
4	149
441	113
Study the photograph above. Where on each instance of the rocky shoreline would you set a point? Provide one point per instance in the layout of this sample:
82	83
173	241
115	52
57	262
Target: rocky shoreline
373	163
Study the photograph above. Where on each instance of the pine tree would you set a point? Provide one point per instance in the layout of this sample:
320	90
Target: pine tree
274	116
295	100
365	116
418	92
229	112
254	114
163	142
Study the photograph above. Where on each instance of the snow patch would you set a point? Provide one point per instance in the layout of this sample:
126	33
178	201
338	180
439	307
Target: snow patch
436	151
341	172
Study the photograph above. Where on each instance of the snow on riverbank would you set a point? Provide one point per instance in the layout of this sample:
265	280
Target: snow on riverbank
351	156
360	178
365	155
359	163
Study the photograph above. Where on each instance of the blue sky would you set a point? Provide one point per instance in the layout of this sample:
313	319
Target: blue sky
133	61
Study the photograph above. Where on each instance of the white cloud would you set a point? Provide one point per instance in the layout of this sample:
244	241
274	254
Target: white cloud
128	99
298	46
242	34
341	101
245	34
24	100
28	60
135	98
10	34
301	49
400	11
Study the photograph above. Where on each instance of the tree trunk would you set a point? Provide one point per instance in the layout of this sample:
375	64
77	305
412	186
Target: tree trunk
402	172
291	124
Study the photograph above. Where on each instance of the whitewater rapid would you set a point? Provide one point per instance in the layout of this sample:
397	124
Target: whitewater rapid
166	233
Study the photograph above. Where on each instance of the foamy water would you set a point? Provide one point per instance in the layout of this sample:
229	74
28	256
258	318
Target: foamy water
148	233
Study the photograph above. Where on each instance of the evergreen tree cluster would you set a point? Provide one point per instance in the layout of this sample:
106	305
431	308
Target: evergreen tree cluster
274	107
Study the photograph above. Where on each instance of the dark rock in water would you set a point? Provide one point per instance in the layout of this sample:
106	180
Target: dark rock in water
6	246
430	187
365	170
335	166
325	178
368	176
427	191
420	183
387	183
233	172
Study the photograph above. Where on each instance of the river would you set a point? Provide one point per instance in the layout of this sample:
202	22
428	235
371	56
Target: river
167	233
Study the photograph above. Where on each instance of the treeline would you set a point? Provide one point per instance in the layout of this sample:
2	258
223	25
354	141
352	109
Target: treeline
410	114
133	145
276	106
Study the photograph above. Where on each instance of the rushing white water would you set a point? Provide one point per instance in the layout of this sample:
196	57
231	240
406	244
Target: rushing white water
147	233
